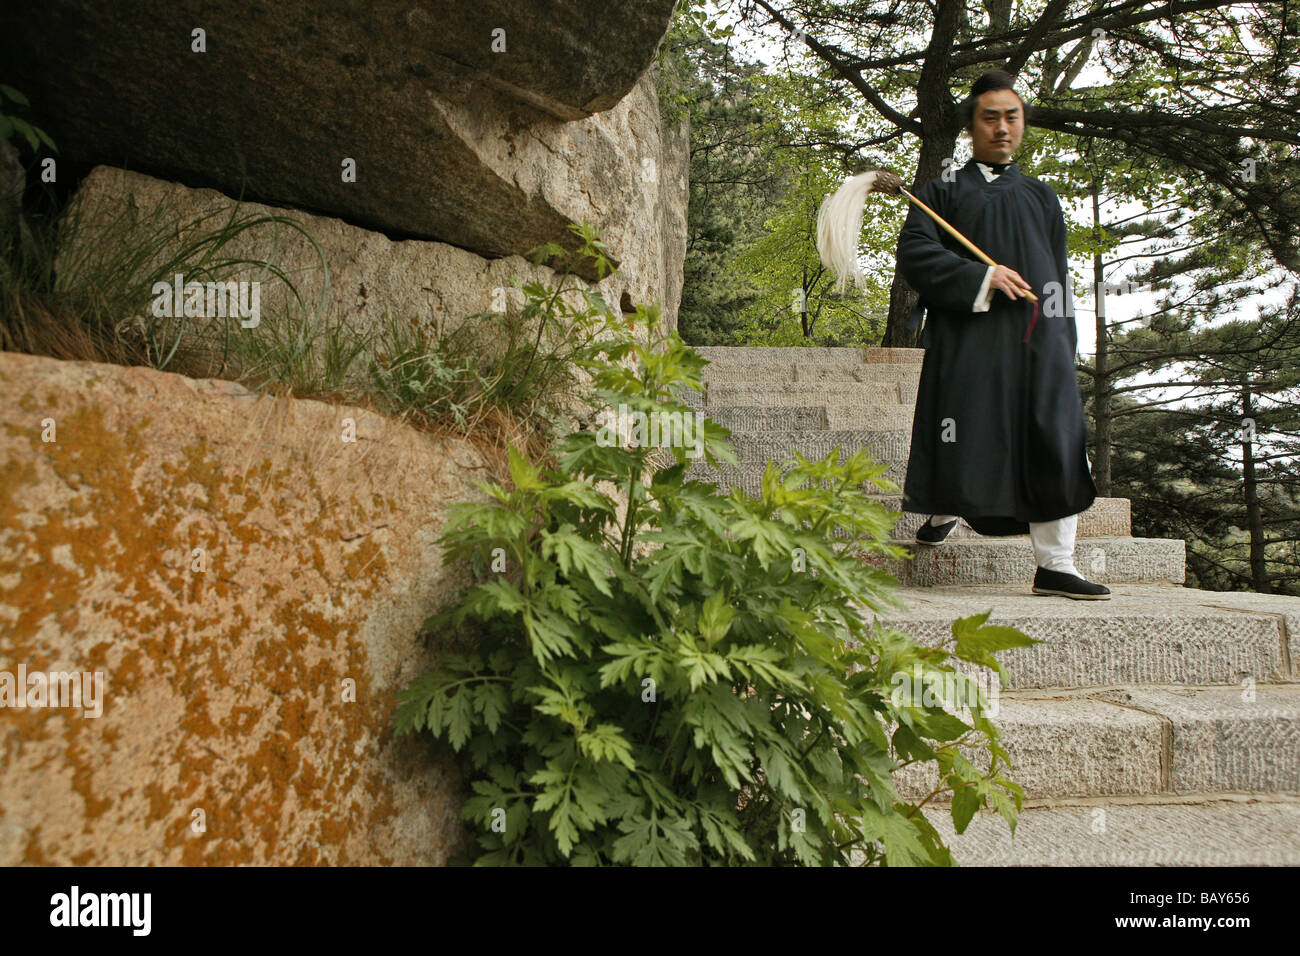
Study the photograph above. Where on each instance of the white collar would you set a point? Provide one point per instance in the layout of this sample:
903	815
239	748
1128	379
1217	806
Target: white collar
987	170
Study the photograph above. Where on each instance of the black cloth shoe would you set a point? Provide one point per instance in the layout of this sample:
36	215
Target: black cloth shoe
930	533
1068	585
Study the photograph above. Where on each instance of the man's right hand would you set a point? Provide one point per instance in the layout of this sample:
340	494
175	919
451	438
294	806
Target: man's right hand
1009	281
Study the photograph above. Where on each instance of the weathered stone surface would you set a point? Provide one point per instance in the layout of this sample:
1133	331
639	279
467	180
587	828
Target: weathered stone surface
1104	518
447	135
1064	747
1146	634
720	395
742	391
1009	560
617	169
224	687
432	285
773	377
849	417
1284	609
799	376
1218	832
1142	740
671	245
728	356
1226	738
762	418
889	443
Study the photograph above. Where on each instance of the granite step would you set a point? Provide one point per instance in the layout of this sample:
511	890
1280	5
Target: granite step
885	445
1132	740
775	374
1199	830
806	394
748	475
765	355
1146	633
1107	518
1160	727
752	418
1010	561
759	420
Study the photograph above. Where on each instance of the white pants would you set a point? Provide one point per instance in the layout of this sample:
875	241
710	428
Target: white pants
1053	542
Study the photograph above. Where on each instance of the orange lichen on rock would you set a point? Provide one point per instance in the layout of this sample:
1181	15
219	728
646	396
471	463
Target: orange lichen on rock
227	562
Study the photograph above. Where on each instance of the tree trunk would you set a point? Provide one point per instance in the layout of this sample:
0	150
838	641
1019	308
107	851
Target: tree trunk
803	306
935	148
901	302
939	128
1254	521
1101	380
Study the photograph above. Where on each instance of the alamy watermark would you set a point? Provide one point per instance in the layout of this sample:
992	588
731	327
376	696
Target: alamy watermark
240	300
628	426
82	690
129	910
956	693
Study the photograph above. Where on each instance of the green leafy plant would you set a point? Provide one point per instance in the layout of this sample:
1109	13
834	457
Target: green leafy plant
11	125
665	675
528	360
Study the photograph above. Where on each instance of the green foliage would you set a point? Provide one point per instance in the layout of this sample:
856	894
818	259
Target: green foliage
683	678
11	125
109	260
795	302
81	285
691	25
526	360
1193	115
734	185
767	145
1219	467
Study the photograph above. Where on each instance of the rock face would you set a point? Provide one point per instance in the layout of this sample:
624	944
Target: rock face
491	126
250	586
433	284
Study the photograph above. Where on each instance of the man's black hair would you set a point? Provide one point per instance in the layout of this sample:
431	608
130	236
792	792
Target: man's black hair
992	80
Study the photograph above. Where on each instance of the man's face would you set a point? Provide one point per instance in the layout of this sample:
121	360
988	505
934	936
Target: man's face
999	125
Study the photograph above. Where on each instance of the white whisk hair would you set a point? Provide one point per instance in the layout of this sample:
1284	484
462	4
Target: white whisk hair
839	226
839	223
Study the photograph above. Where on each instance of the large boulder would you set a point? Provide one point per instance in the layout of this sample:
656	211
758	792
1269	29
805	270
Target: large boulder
434	284
490	125
341	275
250	586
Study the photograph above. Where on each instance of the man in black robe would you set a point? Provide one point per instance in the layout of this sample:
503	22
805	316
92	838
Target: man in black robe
998	435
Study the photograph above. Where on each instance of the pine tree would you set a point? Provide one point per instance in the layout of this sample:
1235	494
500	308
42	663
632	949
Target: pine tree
1219	468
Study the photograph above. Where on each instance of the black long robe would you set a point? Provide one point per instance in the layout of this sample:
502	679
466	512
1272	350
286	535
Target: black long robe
998	435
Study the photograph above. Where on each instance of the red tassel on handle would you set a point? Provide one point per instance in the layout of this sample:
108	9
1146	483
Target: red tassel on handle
1032	322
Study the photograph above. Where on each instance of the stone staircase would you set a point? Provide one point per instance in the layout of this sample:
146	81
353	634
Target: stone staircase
1161	727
